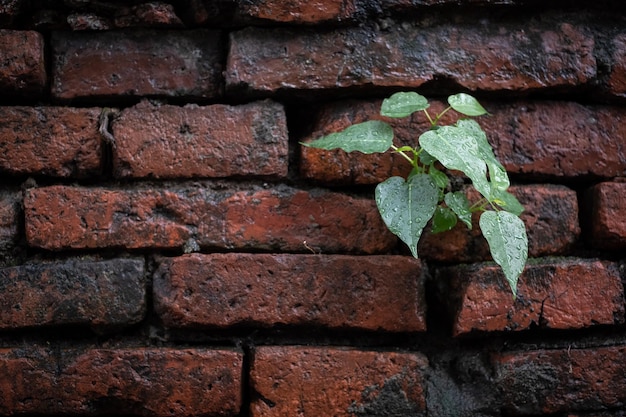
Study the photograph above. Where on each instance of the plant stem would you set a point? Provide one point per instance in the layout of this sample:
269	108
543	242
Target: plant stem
405	156
439	116
429	118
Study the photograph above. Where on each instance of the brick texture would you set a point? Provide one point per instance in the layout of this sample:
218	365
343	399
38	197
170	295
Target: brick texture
532	139
550	216
561	294
493	57
299	11
220	290
552	381
143	381
617	77
336	382
212	141
10	214
608	217
22	63
145	63
62	217
51	141
98	294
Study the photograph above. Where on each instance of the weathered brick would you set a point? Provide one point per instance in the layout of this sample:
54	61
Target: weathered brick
299	11
142	381
284	218
486	57
141	63
608	217
550	216
617	77
563	294
152	14
562	380
222	290
10	214
22	63
99	294
192	141
9	9
532	139
289	381
51	141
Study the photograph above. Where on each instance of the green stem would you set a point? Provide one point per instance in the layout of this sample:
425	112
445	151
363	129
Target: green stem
429	118
405	156
440	114
479	205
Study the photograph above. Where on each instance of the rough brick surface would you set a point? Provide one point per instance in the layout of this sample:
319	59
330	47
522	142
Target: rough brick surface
552	381
290	381
486	56
22	64
534	139
221	290
550	216
145	63
143	381
608	216
299	11
52	141
617	78
213	141
62	217
563	294
10	214
99	294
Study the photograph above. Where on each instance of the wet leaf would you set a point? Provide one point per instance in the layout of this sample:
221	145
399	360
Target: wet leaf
403	104
466	104
368	137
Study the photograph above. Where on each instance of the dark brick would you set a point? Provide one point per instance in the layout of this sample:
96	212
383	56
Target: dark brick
221	290
553	294
99	294
143	381
213	141
298	11
288	381
10	214
608	201
531	139
283	219
617	77
51	141
550	216
485	57
152	14
22	63
561	380
141	63
9	10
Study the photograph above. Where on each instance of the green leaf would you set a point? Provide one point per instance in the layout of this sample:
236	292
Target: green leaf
407	206
458	150
466	104
508	243
458	203
426	158
444	219
508	202
403	104
441	179
372	136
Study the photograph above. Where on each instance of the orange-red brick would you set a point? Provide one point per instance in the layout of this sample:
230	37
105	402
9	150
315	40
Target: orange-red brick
261	290
22	63
608	216
291	380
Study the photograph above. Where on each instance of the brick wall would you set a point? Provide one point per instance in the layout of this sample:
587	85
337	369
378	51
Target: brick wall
168	249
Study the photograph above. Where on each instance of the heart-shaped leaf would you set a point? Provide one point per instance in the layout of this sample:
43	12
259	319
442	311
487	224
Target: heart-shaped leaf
403	104
466	104
407	206
444	219
459	204
508	243
372	136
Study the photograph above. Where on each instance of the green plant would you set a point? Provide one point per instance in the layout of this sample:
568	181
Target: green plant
407	205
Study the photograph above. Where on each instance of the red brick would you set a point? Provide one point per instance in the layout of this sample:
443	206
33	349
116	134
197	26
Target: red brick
568	294
142	381
22	63
153	14
486	57
562	380
10	215
51	141
550	216
533	139
299	11
290	381
191	141
617	77
142	63
608	215
100	294
63	217
221	290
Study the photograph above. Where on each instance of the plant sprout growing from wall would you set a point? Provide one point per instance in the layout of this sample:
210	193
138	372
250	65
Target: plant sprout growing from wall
407	205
